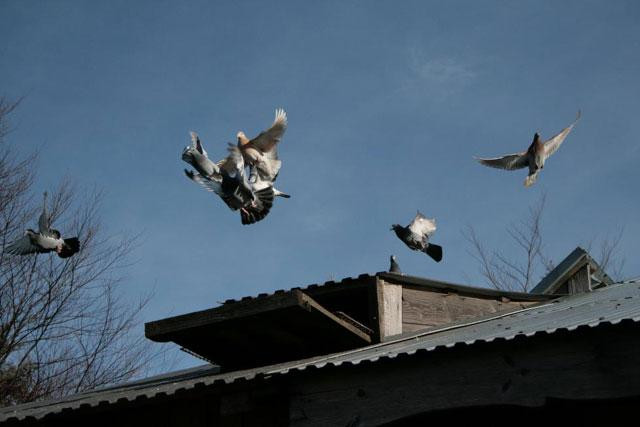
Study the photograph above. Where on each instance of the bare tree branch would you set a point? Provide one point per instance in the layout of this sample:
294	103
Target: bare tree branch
64	325
522	267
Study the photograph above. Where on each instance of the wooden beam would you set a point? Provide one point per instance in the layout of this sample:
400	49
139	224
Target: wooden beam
311	305
389	309
160	329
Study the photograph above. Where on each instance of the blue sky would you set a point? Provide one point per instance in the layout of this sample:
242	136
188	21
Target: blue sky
388	102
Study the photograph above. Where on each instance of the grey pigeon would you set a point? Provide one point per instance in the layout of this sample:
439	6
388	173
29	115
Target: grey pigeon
535	156
45	240
394	267
416	236
227	179
261	152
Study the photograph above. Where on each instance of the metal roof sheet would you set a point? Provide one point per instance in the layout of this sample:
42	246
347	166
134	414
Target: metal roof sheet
611	304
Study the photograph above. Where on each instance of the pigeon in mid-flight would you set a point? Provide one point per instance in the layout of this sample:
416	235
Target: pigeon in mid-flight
227	179
535	156
45	240
416	236
261	152
394	267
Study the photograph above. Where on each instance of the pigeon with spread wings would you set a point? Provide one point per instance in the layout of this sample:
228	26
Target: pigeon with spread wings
46	239
227	179
261	152
535	156
416	236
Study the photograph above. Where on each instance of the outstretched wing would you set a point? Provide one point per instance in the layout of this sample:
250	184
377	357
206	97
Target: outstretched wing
422	226
195	143
508	162
23	246
43	222
208	184
552	145
267	140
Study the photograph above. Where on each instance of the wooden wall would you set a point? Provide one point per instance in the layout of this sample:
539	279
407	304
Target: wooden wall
423	308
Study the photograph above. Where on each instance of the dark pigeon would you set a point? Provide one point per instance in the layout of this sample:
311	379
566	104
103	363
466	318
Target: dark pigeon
394	267
416	236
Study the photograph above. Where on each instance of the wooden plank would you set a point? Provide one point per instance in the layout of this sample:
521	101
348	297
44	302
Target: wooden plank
464	290
580	281
389	308
589	363
309	304
422	309
160	329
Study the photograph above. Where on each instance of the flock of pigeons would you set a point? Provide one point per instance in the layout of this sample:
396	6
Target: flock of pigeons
253	196
244	180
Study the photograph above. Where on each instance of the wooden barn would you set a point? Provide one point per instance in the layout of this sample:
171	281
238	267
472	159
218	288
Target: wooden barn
387	350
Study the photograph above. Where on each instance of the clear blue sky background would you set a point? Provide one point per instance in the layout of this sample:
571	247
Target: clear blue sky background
388	102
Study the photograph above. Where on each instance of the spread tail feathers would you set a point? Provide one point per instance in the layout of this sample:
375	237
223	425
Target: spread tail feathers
434	251
250	215
70	247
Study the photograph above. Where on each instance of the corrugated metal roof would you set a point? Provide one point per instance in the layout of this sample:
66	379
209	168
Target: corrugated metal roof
606	305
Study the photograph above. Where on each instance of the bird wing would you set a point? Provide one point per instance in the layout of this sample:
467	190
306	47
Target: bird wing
508	162
44	223
208	184
195	143
267	140
422	225
233	164
23	246
552	145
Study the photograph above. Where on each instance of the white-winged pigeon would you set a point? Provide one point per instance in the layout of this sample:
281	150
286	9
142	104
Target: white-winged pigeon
416	236
261	152
535	156
46	239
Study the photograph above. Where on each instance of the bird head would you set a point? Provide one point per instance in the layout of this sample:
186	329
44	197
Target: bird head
242	138
393	258
188	153
396	227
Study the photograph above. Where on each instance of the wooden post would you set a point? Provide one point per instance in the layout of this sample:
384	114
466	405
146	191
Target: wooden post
389	298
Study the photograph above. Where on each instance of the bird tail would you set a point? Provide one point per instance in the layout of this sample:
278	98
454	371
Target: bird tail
279	193
531	179
70	247
434	251
251	214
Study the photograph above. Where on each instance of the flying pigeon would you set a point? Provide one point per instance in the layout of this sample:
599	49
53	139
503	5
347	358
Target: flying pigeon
261	151
45	240
227	179
535	156
394	267
416	236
